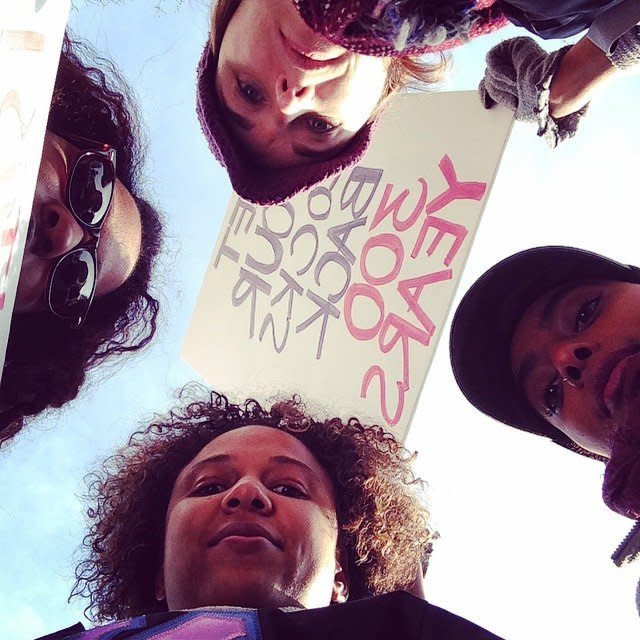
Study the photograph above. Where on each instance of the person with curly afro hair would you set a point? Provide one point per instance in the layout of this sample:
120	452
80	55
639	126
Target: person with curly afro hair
218	506
83	292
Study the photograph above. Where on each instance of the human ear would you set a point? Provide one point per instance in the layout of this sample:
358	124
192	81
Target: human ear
340	592
159	590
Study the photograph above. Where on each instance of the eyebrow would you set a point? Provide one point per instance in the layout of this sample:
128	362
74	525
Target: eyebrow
225	458
221	458
293	461
546	315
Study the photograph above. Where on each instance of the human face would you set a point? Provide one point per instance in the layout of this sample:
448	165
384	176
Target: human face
251	522
53	230
576	355
289	95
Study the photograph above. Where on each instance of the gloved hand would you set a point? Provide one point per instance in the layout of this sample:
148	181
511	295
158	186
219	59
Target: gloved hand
518	75
625	52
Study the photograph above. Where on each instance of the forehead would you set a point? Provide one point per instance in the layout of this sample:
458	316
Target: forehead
257	445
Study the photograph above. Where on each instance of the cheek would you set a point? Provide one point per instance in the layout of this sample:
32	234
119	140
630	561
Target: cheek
360	91
314	529
31	285
180	533
583	424
324	532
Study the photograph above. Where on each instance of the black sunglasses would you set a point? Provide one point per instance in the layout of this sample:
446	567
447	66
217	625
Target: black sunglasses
90	186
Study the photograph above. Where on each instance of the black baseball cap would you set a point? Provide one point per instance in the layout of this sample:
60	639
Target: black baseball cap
487	316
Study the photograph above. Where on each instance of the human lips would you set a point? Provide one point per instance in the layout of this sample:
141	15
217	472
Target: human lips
244	530
610	380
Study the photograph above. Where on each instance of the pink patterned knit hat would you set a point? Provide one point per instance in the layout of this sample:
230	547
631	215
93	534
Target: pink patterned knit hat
394	28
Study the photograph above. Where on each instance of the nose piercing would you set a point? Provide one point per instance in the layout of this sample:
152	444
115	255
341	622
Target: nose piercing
572	377
576	384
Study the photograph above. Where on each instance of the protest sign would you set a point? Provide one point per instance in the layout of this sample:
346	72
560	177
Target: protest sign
340	293
31	34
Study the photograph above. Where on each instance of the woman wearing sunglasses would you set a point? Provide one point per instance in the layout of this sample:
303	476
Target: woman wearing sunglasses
288	90
83	293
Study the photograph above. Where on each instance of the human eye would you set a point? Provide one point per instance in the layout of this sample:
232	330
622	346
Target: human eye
207	488
587	313
316	124
290	490
552	397
249	92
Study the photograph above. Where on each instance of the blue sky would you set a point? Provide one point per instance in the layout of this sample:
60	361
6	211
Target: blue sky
525	540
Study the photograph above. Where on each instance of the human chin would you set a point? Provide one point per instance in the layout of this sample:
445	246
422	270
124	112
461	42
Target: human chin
247	588
241	583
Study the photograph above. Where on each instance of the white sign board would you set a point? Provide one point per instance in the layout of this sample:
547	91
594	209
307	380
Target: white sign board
31	34
340	293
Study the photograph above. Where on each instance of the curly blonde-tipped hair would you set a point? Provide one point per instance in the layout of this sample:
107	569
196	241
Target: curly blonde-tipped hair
383	521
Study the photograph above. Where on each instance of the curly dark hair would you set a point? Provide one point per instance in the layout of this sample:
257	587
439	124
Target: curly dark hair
46	361
383	521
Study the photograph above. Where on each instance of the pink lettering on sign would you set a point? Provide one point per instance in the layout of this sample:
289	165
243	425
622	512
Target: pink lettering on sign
10	184
24	40
385	208
455	191
367	291
294	269
377	372
393	244
411	290
394	332
11	106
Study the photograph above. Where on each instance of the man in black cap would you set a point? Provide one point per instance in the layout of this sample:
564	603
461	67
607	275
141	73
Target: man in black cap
548	341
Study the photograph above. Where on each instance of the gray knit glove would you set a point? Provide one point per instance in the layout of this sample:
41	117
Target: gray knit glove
518	75
625	52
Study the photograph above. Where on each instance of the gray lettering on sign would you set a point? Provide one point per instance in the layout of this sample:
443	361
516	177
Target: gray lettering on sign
254	283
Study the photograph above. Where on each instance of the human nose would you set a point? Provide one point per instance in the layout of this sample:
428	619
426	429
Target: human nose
292	96
570	360
247	494
57	232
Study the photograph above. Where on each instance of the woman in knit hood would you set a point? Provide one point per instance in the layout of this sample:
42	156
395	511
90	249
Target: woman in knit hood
288	90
